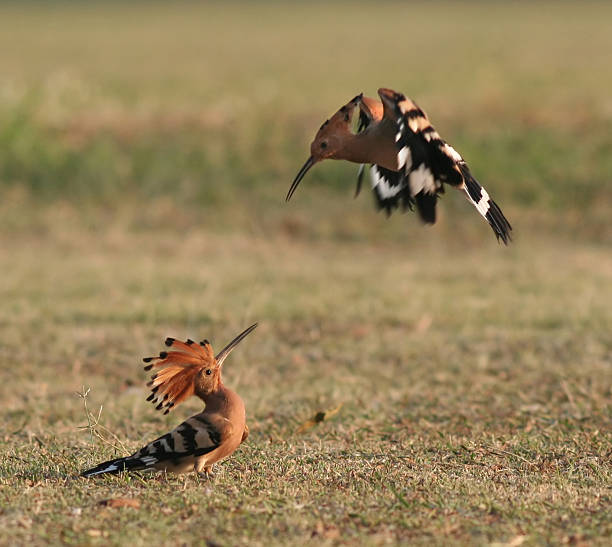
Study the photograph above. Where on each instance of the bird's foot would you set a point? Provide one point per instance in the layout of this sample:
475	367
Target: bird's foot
206	473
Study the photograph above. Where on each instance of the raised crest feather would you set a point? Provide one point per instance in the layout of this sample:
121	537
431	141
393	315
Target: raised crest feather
175	382
180	368
202	440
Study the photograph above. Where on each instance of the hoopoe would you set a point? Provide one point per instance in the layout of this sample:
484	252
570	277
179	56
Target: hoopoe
409	162
204	439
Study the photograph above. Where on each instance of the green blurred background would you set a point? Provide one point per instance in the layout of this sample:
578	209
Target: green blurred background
209	108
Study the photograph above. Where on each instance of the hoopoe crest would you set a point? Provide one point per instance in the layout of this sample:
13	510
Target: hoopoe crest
409	162
204	439
187	369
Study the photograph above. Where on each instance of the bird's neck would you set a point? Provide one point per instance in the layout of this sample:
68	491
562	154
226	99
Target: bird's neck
375	145
221	399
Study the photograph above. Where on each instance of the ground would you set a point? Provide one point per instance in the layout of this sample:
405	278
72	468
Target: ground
465	385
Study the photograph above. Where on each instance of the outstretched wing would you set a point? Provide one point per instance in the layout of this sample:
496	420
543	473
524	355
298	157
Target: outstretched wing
191	439
389	189
428	162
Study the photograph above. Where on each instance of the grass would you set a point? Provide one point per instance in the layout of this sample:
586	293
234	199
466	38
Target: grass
475	401
143	174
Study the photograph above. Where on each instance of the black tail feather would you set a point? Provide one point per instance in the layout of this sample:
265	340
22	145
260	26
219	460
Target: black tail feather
114	467
486	206
499	223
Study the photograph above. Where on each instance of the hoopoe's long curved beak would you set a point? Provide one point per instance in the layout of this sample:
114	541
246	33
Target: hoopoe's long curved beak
220	357
309	163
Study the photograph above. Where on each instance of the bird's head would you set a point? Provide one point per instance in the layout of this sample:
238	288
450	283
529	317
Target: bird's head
208	378
329	140
188	369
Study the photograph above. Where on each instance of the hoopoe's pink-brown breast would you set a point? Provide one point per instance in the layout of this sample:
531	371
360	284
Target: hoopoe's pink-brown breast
374	146
203	439
229	420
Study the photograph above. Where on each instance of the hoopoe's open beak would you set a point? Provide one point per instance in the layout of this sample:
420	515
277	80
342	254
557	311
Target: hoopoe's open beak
220	357
309	163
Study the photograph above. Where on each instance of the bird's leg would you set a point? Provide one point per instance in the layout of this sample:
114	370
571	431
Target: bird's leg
162	477
209	472
204	472
245	434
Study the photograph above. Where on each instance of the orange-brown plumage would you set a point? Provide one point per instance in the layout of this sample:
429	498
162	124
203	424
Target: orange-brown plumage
190	369
409	162
202	440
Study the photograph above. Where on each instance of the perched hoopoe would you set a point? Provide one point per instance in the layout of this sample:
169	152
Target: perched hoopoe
204	439
409	161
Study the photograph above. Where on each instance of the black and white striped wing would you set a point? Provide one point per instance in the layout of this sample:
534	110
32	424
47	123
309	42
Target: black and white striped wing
429	162
387	185
195	437
389	188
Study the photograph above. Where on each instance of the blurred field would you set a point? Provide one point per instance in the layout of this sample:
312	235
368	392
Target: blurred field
201	105
145	151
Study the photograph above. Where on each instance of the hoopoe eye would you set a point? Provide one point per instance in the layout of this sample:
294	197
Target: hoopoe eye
323	144
208	372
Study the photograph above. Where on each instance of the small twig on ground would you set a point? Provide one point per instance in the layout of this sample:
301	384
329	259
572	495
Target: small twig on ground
93	425
83	395
499	452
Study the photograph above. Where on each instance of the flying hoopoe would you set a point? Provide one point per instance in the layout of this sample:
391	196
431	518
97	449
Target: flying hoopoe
409	162
204	439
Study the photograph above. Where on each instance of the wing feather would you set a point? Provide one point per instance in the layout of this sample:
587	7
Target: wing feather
428	162
195	437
